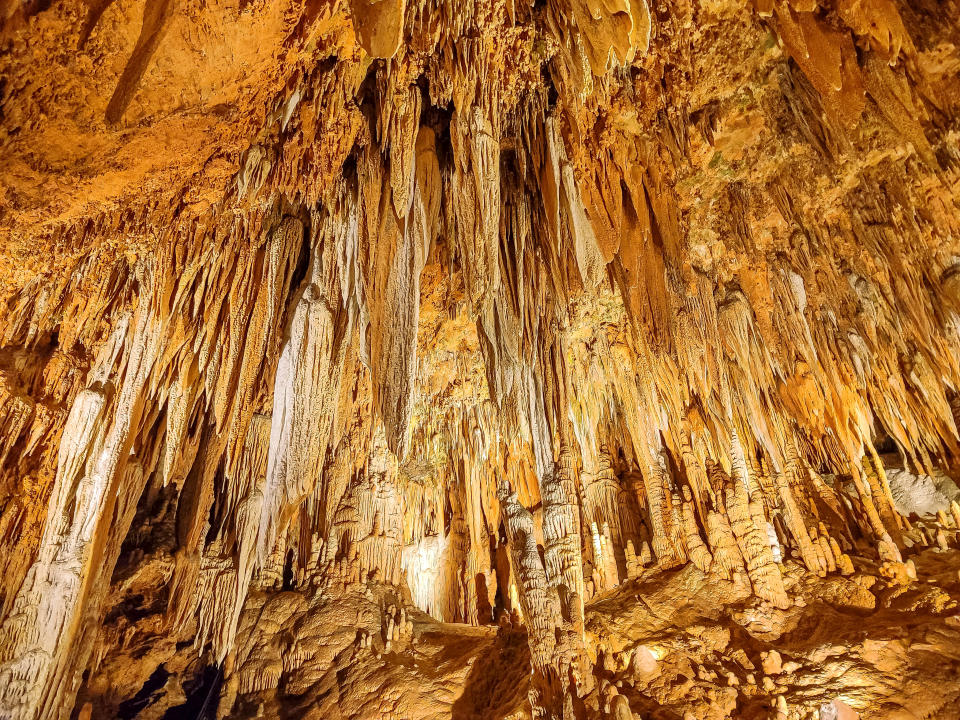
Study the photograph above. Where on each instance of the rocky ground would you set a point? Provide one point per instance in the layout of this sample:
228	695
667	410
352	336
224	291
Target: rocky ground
672	644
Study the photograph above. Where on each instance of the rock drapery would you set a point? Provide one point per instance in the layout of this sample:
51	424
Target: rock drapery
337	335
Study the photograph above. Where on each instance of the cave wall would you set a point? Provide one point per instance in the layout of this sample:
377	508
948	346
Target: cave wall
492	303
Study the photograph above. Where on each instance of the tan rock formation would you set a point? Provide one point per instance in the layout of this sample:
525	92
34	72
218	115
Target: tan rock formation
398	358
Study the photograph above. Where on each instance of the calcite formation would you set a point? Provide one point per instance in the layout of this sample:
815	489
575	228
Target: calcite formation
479	359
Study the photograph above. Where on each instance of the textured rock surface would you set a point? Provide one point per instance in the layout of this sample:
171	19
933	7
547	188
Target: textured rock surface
921	494
429	358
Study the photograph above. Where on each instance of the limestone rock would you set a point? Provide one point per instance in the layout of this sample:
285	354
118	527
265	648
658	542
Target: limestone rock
421	358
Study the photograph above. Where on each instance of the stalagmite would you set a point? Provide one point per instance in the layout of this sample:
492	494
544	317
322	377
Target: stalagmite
727	560
697	549
633	562
655	482
549	644
745	515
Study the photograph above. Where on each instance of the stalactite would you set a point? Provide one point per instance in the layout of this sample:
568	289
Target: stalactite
94	480
308	374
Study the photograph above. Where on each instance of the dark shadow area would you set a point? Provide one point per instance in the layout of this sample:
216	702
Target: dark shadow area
484	609
202	696
497	684
151	690
155	16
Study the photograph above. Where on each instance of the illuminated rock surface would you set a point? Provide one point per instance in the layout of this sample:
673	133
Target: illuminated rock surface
446	359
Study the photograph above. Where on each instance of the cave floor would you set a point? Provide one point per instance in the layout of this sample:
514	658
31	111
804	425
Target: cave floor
677	644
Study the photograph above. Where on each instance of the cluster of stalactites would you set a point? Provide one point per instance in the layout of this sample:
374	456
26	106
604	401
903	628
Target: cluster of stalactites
266	367
150	371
